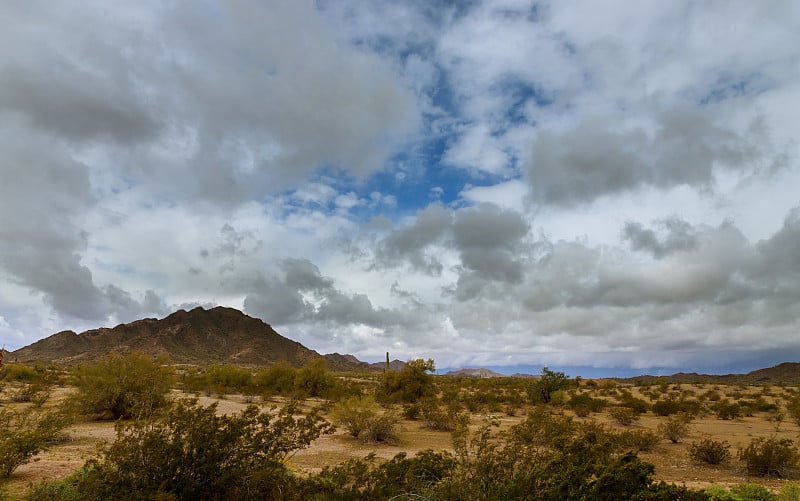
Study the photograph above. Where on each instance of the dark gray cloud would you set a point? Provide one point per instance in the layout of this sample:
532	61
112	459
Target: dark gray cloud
432	225
597	158
301	294
43	191
490	243
678	235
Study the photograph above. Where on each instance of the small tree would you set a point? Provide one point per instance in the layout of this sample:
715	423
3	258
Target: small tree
541	391
314	379
25	434
123	386
411	383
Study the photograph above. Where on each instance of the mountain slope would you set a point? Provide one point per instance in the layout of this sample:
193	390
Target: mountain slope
199	336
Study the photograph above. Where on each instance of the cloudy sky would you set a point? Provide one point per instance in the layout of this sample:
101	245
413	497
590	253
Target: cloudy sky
606	187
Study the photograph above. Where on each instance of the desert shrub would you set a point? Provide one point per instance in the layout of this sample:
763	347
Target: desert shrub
409	384
434	417
542	389
314	380
543	428
710	451
355	413
583	404
637	440
19	372
23	434
122	386
793	408
223	379
381	428
412	411
769	457
740	492
789	491
277	379
727	410
674	428
193	453
637	405
66	489
35	393
624	415
666	407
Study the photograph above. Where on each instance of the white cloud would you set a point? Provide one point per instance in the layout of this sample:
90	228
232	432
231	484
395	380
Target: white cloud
483	183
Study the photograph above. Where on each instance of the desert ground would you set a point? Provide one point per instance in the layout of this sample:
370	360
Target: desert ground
672	462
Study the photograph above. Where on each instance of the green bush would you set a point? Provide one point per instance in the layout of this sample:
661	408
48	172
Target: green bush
19	372
123	386
434	417
314	380
381	428
727	410
666	407
279	379
410	384
710	451
550	382
221	379
354	413
24	434
674	428
740	492
636	440
769	457
193	453
624	415
583	404
789	491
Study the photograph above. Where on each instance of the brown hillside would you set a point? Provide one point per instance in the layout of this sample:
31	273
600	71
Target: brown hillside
199	336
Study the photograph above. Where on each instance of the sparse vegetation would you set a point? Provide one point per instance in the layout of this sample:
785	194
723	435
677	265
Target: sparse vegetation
193	453
769	457
123	386
549	451
710	451
23	434
674	428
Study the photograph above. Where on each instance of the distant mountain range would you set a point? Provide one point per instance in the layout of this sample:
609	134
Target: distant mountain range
482	373
227	336
199	336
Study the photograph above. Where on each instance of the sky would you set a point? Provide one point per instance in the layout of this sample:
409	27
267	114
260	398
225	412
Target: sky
606	187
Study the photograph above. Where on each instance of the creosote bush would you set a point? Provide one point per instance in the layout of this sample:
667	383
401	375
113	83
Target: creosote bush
123	386
355	413
674	428
23	434
769	457
624	415
193	453
710	451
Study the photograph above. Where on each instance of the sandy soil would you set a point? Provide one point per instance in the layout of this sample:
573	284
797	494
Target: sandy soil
671	460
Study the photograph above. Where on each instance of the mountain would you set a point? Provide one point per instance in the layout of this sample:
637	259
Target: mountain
482	373
786	372
198	336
